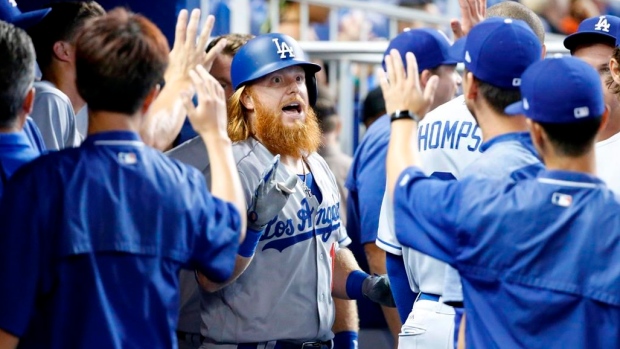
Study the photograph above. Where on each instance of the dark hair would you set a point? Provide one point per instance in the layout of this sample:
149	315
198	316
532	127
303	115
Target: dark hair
572	139
515	10
326	115
498	98
62	24
17	60
373	106
120	58
233	43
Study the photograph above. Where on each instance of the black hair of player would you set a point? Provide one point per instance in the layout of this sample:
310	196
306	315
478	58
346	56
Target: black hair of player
572	139
17	60
120	58
62	24
498	98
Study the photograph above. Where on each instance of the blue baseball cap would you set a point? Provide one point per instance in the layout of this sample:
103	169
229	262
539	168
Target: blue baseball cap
11	14
498	50
560	90
600	29
430	47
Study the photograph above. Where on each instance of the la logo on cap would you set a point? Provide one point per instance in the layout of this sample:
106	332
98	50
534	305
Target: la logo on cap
602	24
13	3
283	49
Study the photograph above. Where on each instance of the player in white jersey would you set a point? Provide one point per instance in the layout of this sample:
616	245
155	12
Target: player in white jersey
453	142
595	42
426	275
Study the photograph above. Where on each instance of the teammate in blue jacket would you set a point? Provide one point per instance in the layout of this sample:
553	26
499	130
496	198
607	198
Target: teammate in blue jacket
535	272
97	265
16	78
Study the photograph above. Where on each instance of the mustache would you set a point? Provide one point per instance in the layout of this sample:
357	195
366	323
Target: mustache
296	99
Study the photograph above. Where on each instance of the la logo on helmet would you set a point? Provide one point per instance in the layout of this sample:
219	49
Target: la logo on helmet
602	24
283	49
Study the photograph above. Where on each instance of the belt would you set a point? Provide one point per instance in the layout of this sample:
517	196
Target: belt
428	297
287	345
190	337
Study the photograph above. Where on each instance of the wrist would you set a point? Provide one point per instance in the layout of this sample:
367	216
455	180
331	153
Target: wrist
214	137
249	244
355	281
404	115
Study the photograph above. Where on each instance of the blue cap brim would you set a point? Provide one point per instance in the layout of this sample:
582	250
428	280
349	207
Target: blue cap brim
457	51
28	19
573	41
515	109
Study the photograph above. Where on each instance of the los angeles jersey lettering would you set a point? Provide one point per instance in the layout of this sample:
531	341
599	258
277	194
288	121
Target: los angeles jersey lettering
285	234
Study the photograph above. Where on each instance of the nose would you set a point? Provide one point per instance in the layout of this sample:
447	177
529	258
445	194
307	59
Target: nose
293	86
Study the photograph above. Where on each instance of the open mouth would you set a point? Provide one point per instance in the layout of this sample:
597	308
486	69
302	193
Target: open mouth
292	108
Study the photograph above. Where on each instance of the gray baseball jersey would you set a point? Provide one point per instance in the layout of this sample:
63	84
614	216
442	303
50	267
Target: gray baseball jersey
292	270
53	114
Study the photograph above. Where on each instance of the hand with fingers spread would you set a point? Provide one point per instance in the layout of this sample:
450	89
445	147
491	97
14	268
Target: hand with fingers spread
189	51
402	90
472	13
270	197
210	114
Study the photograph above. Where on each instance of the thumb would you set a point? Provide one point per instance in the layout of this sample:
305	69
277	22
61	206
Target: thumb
288	187
457	29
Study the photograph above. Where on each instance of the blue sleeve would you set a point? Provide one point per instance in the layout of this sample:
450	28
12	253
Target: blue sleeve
403	296
426	210
34	135
217	236
21	250
368	188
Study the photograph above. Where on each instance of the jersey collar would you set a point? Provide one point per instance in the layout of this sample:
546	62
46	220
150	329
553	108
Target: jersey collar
14	139
114	138
506	137
570	176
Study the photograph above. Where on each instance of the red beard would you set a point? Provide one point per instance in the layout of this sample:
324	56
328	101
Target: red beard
297	140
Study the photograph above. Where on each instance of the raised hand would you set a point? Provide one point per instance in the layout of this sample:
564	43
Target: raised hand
189	51
472	13
270	197
210	114
402	91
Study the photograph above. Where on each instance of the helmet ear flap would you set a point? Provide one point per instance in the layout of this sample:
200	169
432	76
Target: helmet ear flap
313	89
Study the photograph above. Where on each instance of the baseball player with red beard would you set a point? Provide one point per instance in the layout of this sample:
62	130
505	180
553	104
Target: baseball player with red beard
298	262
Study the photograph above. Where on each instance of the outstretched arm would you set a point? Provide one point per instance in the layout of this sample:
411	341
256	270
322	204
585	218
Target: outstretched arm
167	114
402	93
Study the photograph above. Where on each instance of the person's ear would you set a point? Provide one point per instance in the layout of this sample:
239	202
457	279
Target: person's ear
246	100
62	51
426	74
150	98
538	135
470	86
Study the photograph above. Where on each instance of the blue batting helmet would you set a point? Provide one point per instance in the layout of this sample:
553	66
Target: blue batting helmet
268	53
